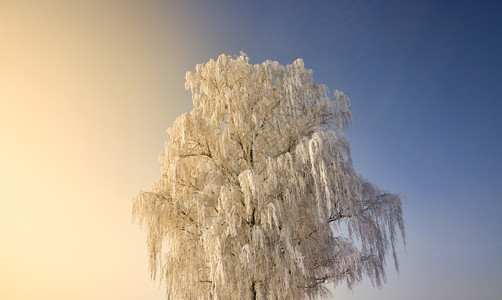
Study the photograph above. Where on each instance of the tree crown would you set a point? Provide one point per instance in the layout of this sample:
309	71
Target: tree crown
257	181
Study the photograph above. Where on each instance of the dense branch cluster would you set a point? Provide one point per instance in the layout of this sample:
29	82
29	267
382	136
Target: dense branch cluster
257	181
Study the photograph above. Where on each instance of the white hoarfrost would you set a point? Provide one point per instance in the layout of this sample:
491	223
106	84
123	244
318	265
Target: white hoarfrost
257	182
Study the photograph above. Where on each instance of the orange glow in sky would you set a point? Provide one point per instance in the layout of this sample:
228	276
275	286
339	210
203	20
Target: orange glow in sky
79	84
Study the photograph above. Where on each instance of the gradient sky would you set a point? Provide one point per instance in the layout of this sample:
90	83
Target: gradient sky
87	89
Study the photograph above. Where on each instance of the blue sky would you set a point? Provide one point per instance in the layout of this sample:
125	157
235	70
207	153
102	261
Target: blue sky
425	81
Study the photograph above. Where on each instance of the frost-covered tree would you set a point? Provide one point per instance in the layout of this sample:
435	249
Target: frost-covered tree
257	189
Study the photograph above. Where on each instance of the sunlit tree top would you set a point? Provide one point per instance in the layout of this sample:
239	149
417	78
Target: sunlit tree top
257	183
